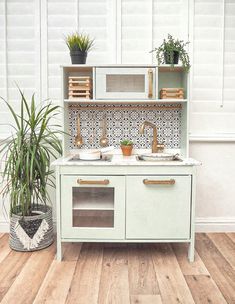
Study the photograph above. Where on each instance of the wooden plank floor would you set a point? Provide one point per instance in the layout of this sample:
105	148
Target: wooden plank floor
121	273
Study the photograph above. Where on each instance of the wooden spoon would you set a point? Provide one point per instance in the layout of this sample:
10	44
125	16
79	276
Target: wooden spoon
78	138
104	140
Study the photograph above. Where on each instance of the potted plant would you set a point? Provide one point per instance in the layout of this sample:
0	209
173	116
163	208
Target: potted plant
27	154
79	45
171	50
126	146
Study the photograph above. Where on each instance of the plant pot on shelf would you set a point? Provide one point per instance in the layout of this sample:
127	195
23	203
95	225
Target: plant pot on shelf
31	233
126	150
78	57
169	55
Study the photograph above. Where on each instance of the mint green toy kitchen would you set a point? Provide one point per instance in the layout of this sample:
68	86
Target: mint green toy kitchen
147	197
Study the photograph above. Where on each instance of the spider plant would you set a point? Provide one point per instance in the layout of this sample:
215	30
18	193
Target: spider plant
27	154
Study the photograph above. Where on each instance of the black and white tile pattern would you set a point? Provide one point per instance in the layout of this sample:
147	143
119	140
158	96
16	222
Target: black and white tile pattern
125	124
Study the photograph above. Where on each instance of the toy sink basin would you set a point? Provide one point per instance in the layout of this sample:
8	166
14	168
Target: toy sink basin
158	157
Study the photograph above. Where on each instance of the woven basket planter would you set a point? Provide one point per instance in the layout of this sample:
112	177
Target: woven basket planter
32	233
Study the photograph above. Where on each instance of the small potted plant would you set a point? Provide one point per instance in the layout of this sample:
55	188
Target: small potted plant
27	174
171	50
79	45
126	146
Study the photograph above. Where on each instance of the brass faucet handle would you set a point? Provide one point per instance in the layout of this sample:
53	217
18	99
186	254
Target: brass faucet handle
160	148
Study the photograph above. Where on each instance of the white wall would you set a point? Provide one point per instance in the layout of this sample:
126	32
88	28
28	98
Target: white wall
32	49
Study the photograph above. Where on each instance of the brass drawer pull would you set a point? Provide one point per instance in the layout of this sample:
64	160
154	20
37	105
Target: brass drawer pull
92	182
159	182
150	76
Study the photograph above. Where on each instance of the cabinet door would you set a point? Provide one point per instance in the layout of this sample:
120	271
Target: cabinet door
158	207
93	207
125	83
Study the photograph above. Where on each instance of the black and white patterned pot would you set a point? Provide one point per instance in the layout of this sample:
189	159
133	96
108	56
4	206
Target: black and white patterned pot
30	233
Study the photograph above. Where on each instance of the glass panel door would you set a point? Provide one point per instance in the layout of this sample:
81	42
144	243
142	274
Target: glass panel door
93	207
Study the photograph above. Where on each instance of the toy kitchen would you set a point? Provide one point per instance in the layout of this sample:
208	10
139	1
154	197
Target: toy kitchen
103	196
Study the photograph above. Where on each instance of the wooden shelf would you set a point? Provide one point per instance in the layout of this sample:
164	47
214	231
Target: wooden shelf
93	219
169	68
120	101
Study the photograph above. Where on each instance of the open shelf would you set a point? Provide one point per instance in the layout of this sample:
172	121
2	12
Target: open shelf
175	78
93	219
83	71
93	199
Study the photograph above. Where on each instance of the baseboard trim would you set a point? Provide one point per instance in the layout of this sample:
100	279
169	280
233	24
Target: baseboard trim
202	224
215	224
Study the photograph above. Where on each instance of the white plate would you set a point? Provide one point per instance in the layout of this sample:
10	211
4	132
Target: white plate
90	155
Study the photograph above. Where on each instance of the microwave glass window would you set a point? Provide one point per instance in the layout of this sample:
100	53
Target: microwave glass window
125	83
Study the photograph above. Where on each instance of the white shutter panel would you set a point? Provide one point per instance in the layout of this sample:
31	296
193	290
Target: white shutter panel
3	82
93	19
207	114
21	47
136	31
61	20
169	17
19	28
229	57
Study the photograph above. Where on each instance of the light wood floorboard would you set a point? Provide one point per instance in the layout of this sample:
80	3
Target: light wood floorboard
204	289
221	271
57	282
114	285
231	236
121	273
4	247
142	276
171	281
225	245
86	278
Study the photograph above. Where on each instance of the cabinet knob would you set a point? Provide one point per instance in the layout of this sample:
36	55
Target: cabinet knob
92	182
159	182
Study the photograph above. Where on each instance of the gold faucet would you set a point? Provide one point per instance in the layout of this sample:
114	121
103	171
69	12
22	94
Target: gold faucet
156	147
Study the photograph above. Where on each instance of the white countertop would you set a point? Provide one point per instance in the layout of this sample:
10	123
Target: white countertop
120	160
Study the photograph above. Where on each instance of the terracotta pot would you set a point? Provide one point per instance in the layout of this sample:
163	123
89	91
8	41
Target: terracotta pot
126	150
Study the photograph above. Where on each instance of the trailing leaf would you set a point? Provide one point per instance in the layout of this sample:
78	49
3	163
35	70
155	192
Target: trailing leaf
167	49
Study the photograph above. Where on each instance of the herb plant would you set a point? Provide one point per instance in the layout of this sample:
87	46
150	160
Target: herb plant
167	49
27	154
126	142
79	42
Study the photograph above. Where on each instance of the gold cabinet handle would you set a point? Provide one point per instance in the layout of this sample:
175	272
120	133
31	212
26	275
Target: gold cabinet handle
150	76
92	182
159	182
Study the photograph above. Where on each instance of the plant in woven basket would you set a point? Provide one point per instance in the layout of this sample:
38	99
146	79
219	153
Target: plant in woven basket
79	45
27	154
171	50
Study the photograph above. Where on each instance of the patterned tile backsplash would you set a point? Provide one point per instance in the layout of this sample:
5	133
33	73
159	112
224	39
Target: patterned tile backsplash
124	124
